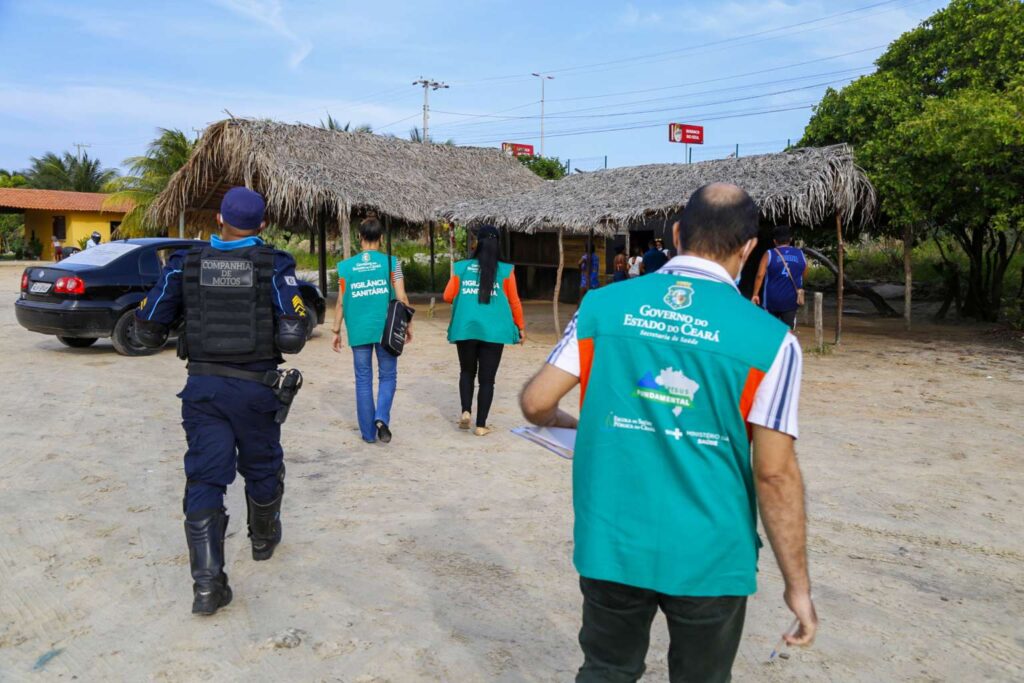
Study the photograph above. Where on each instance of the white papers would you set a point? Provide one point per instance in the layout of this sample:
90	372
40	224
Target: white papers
558	440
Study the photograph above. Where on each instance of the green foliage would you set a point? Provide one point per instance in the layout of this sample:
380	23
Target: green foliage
939	128
549	168
8	179
68	172
147	178
334	124
417	275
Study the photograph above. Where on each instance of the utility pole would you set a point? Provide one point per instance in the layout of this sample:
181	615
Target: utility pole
79	146
428	85
542	77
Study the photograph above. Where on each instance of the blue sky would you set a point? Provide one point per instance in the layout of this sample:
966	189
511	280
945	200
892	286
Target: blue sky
107	73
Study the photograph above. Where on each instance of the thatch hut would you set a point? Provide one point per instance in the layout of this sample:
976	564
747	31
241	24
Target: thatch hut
311	177
806	187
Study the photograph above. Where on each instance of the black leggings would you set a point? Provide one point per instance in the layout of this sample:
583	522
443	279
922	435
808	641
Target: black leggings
486	356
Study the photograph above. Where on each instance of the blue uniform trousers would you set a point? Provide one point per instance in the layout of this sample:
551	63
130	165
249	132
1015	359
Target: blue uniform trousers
229	424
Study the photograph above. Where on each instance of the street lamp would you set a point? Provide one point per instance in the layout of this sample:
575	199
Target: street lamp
542	77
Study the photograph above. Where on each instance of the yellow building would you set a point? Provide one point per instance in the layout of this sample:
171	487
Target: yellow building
68	216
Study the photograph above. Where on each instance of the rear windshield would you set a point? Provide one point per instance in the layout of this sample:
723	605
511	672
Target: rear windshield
100	255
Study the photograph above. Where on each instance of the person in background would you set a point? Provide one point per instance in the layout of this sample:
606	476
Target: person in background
58	249
93	241
363	298
636	263
653	259
589	269
486	315
665	250
674	525
779	285
620	265
242	309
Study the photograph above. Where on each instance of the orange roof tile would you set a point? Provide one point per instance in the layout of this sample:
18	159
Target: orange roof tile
20	198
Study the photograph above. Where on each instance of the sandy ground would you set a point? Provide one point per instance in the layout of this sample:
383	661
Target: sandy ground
446	557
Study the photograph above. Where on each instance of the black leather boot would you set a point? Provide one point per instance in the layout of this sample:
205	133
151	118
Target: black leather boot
205	536
264	526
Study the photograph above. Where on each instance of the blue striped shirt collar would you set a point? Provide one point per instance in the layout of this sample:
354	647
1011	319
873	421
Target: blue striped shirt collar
696	266
227	245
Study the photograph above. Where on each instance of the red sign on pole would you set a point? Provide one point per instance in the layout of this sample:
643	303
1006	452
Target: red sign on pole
516	149
686	133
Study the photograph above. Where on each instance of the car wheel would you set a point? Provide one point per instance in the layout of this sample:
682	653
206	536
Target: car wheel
124	339
77	342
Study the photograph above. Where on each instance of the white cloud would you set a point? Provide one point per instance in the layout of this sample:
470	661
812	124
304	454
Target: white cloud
270	14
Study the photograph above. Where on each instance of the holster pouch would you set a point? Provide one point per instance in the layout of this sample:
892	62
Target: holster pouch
182	345
288	386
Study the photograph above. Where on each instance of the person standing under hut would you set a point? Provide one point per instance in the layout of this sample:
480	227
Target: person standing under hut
363	297
486	315
779	285
589	269
688	417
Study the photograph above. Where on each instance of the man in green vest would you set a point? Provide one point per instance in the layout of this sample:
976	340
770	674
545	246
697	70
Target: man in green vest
686	376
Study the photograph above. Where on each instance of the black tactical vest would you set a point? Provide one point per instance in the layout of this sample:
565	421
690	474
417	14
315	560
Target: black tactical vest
229	312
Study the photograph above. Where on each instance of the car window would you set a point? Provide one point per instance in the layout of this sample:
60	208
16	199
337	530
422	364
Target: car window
99	255
165	253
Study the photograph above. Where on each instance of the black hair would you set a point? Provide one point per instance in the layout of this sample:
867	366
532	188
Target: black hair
486	254
370	229
718	219
782	234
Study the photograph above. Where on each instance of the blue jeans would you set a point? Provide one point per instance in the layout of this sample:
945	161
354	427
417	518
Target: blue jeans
368	412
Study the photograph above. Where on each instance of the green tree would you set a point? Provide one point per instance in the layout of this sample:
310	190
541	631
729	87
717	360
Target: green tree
147	178
416	135
68	172
938	129
334	124
12	225
549	168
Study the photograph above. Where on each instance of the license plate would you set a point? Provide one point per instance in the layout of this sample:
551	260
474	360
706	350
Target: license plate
40	287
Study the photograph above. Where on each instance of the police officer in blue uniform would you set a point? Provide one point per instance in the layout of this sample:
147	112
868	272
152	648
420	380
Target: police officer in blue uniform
242	309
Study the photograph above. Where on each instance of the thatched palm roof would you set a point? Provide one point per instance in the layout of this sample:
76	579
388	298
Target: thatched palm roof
306	172
803	186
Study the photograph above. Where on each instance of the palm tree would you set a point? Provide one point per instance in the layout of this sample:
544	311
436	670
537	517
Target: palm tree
416	135
148	177
333	124
68	172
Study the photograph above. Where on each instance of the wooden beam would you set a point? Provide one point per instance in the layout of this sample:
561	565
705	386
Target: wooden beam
558	282
840	280
433	279
322	230
908	272
345	226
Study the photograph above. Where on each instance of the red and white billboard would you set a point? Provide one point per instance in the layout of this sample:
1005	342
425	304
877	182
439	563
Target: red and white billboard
516	149
686	133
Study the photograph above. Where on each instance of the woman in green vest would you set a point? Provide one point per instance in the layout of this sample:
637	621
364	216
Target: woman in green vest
486	315
363	297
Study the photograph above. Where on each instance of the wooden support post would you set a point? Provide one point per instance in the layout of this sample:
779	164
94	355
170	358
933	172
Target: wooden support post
819	325
451	248
433	278
322	230
181	224
558	281
433	303
908	273
345	225
840	280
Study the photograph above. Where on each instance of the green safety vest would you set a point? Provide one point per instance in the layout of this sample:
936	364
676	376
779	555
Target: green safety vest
662	482
490	322
366	295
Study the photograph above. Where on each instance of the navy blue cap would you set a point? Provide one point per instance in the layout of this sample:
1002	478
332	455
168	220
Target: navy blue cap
242	208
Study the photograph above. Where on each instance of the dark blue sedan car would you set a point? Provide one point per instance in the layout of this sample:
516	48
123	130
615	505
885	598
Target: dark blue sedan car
95	292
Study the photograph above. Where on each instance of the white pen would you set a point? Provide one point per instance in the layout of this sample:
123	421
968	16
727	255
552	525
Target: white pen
782	639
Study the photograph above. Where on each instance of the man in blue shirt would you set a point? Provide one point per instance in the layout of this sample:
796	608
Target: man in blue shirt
779	284
242	309
654	258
